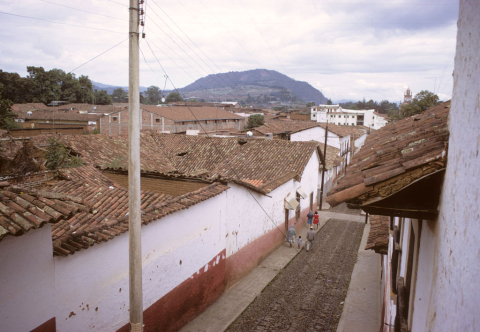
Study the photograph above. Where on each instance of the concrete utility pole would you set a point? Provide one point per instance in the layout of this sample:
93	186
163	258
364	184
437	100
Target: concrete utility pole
324	166
135	222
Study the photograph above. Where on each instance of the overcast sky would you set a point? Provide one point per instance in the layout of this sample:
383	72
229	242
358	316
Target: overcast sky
348	49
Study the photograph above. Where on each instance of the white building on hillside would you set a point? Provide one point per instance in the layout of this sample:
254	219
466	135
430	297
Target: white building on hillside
344	117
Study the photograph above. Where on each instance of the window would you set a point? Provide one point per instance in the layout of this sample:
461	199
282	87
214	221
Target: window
157	120
114	118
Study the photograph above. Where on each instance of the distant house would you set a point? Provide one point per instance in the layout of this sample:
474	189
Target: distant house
345	117
174	120
58	118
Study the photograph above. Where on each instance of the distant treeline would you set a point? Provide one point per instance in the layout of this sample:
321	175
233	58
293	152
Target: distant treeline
41	86
381	107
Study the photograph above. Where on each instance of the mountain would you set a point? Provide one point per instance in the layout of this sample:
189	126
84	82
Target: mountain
255	87
110	88
267	84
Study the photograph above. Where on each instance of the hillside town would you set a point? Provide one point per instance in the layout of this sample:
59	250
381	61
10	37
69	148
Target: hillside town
252	214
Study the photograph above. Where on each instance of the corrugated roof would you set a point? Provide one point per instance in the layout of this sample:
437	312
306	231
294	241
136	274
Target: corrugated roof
395	155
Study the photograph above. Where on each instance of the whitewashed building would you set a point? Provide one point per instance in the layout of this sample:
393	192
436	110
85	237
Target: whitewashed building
73	275
429	242
344	117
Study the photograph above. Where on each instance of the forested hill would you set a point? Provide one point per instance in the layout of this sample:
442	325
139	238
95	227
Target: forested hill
261	78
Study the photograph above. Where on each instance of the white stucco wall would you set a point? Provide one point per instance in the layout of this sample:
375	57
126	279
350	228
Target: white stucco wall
453	305
311	134
360	141
26	280
98	277
248	221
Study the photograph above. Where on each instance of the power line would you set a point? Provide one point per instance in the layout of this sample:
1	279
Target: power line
261	66
85	11
73	25
118	3
180	38
111	48
234	85
266	41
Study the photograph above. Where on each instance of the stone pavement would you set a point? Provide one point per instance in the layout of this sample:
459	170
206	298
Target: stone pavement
236	299
363	304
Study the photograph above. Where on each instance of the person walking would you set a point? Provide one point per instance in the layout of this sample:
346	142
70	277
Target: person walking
291	235
310	238
316	219
309	218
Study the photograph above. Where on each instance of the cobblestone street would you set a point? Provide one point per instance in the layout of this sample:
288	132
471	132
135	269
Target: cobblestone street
308	294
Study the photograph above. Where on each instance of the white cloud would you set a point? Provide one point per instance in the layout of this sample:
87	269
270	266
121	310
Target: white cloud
348	49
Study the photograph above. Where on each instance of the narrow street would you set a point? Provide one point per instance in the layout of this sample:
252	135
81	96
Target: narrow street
308	294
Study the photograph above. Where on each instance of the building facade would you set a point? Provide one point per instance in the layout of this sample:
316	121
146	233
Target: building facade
335	114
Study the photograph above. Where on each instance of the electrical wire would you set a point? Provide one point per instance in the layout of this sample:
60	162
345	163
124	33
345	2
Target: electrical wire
85	11
234	85
111	48
180	38
72	25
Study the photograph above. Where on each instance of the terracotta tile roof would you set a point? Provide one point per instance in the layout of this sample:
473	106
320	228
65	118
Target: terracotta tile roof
199	104
179	114
111	152
398	153
58	115
257	164
343	131
22	210
28	107
378	235
87	174
109	217
282	126
19	155
333	159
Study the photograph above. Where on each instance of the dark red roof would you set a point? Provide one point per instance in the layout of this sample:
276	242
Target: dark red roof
396	155
22	210
109	215
378	235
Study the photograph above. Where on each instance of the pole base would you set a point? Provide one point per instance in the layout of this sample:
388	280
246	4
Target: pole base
136	327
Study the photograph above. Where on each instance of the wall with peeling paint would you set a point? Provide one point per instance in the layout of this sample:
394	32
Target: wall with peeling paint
26	280
453	305
92	285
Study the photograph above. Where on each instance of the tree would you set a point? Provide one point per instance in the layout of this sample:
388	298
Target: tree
58	155
422	100
119	96
102	97
329	102
255	120
46	86
310	104
173	97
153	95
7	117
